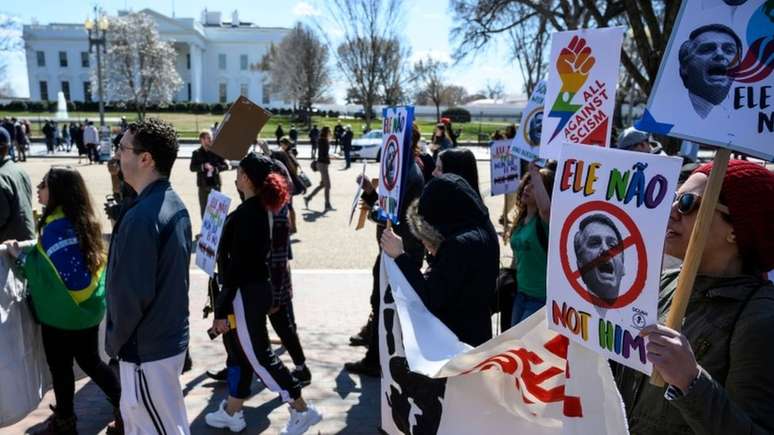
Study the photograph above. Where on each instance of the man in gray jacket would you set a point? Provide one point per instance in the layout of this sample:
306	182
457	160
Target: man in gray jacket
147	284
16	221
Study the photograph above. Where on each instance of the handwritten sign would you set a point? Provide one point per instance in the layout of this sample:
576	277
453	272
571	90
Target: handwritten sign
395	158
212	227
505	167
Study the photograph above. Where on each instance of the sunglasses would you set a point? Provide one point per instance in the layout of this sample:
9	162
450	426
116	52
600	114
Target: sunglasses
688	202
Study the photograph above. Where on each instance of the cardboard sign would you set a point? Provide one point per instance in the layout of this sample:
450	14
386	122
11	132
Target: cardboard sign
609	213
239	129
526	144
580	94
505	167
716	83
212	227
395	158
528	380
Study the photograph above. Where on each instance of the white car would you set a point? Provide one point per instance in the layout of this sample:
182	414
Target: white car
368	146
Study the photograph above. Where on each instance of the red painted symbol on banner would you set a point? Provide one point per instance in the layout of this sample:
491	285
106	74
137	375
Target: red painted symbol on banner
521	362
391	162
634	239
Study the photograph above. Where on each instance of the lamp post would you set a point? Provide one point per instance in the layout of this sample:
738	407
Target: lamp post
97	29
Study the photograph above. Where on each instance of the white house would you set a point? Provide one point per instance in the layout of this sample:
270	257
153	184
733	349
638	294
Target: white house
216	60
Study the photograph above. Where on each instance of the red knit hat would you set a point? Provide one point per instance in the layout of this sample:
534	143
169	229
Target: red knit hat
748	191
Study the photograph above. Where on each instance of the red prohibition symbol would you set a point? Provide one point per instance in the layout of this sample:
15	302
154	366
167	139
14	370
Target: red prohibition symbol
634	238
391	160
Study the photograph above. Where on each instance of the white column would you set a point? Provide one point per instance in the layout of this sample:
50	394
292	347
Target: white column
197	70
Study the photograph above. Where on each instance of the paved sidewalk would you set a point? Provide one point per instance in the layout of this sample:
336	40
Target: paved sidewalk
330	306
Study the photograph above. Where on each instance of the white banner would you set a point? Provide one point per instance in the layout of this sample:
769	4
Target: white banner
505	167
580	95
212	227
527	380
603	272
715	84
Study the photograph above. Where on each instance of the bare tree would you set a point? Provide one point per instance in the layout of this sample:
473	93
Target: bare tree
299	68
140	67
494	90
11	44
429	74
530	40
394	75
369	27
454	95
479	22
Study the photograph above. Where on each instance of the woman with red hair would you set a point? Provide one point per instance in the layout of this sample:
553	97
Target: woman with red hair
246	297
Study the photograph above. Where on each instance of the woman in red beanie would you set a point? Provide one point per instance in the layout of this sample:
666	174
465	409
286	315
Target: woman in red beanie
720	369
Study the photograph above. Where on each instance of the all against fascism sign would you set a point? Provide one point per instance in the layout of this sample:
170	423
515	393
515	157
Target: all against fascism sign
580	95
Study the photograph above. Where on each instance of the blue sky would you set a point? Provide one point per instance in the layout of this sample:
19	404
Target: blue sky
427	30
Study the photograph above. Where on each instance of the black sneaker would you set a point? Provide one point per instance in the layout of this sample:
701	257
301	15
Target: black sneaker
188	363
303	375
220	375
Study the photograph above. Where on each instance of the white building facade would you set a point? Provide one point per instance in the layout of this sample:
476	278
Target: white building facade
217	61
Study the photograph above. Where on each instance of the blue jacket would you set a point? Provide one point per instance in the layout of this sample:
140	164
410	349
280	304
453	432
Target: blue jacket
147	277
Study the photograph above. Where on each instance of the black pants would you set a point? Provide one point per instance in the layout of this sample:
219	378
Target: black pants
256	347
284	324
347	158
61	346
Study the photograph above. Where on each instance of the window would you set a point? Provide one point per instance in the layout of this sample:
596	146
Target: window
41	58
87	92
188	61
66	90
243	89
222	61
266	97
84	59
222	96
189	91
43	90
243	62
63	59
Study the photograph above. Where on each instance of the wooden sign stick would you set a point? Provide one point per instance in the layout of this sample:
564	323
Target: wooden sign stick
693	255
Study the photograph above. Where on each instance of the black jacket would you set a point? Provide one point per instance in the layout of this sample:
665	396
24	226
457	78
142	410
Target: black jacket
460	281
346	140
244	254
323	148
198	159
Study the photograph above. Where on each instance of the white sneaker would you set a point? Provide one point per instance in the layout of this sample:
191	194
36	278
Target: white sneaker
300	422
220	419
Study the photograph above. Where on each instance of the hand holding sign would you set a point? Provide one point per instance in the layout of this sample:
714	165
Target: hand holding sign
574	64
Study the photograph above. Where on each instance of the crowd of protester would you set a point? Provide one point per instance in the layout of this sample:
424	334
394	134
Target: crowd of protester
717	369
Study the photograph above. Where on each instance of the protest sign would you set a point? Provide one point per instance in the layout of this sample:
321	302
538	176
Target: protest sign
356	199
239	129
212	227
608	220
396	156
527	380
505	169
715	84
580	94
527	141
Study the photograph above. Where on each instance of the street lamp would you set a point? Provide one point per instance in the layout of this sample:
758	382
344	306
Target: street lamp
97	30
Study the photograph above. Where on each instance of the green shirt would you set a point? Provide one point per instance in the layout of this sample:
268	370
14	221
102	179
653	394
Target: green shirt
531	258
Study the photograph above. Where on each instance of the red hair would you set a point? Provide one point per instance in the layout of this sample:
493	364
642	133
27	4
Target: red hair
274	192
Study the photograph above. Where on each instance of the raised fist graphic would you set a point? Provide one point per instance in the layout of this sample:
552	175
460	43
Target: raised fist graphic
574	63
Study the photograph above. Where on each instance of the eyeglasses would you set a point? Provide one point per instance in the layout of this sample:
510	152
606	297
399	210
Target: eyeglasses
688	202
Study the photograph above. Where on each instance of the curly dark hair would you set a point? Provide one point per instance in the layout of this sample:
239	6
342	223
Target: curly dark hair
159	138
67	190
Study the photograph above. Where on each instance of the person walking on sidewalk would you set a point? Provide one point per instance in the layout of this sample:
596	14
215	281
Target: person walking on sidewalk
246	299
314	139
65	279
208	167
346	145
91	141
147	280
322	163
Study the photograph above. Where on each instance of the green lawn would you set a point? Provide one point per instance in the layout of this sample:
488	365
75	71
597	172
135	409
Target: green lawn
189	125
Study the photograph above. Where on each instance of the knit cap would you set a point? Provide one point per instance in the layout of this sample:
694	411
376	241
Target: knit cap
748	192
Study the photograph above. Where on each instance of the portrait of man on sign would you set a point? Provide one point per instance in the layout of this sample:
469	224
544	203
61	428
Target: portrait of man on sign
535	127
705	59
601	272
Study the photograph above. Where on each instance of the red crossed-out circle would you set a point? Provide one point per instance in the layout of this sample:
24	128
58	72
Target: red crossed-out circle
634	238
392	141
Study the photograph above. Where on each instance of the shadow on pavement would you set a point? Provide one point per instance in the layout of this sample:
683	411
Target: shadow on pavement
312	215
257	418
360	417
